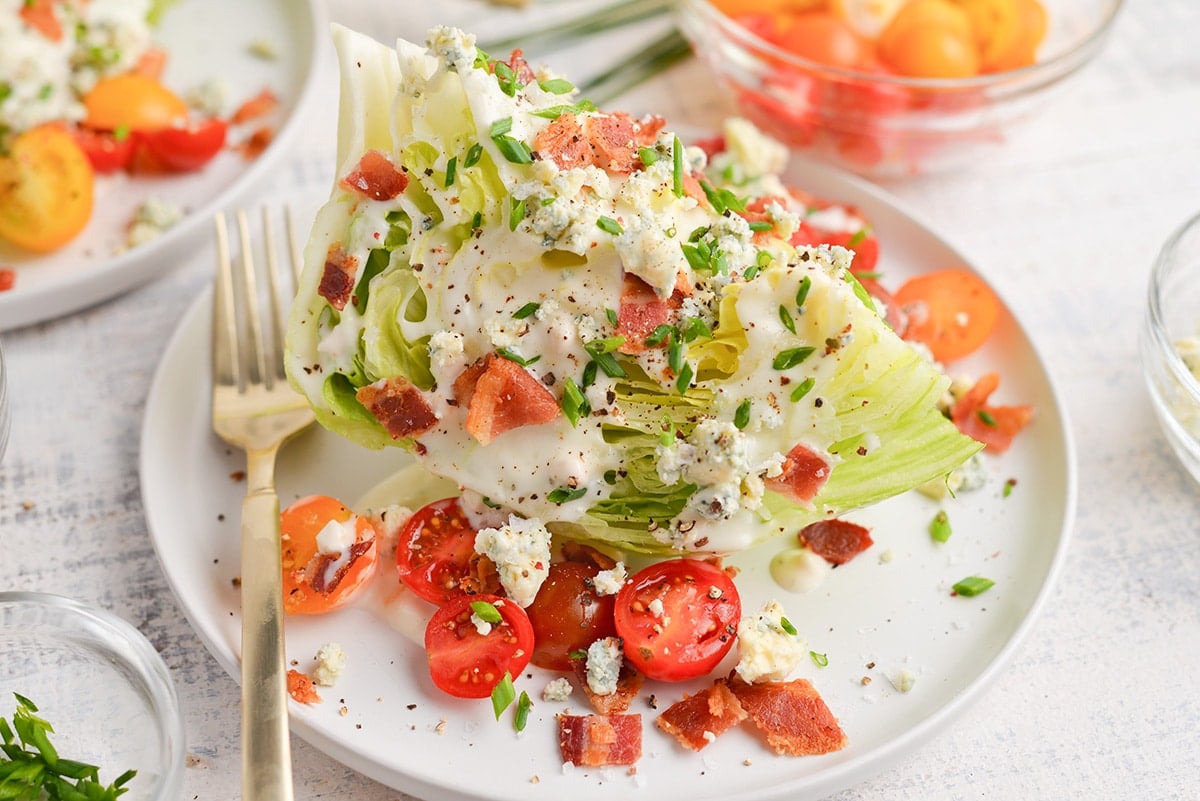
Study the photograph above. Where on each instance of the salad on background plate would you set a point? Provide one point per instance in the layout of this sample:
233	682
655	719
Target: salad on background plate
647	382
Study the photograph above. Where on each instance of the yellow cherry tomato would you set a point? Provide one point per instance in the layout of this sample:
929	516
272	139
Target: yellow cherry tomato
1007	32
930	39
45	189
135	102
867	17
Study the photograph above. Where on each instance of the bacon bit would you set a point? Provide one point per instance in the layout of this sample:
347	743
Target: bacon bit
302	688
607	141
518	64
791	716
563	142
596	740
647	129
399	406
501	395
253	146
836	541
260	105
8	278
151	63
337	282
39	15
612	142
804	473
698	719
317	569
641	311
629	684
376	177
1003	422
693	189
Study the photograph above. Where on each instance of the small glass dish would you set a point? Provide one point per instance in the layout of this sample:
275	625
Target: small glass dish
1170	342
884	125
100	684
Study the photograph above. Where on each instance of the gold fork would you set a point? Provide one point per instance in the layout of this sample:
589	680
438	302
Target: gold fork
255	409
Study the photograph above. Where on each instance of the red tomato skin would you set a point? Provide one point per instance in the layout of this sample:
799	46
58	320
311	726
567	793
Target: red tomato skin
435	554
568	615
187	149
467	664
701	609
106	153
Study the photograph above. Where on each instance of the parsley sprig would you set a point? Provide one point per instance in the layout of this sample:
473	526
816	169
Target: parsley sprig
31	768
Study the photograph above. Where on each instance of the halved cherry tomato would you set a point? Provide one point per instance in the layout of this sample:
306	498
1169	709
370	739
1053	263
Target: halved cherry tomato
568	615
186	148
867	17
1007	32
930	39
677	618
45	189
823	38
8	278
316	582
435	555
106	152
951	311
132	101
468	664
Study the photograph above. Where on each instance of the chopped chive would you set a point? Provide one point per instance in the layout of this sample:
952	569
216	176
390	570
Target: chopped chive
515	151
802	292
859	236
609	226
589	375
787	626
972	586
546	201
685	379
660	334
485	611
696	258
501	127
675	353
939	527
563	495
524	704
554	112
787	359
120	133
820	660
473	155
647	156
503	694
578	653
677	163
750	272
803	388
574	403
477	220
451	170
513	356
761	225
557	86
611	314
695	328
741	417
597	347
1009	484
986	418
785	317
516	213
528	310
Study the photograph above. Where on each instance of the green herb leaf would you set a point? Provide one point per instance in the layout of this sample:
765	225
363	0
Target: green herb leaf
741	417
513	356
972	586
648	156
487	612
516	213
503	694
521	717
820	660
501	127
787	359
515	151
609	226
684	382
563	495
761	225
611	314
660	334
787	626
939	527
554	112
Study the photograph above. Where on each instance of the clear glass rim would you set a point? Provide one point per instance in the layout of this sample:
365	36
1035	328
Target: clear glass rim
1165	263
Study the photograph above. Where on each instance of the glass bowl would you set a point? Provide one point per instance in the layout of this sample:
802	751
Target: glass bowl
1170	342
100	684
881	125
4	412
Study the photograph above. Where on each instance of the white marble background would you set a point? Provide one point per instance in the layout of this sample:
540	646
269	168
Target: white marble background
1101	702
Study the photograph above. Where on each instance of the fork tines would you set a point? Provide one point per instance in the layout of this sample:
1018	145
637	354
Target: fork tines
239	314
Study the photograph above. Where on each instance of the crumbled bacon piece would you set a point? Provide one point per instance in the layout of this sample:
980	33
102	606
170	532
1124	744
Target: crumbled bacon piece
501	395
995	426
39	15
376	177
595	740
791	716
612	141
573	551
563	142
629	684
319	576
698	719
804	473
836	541
8	278
517	63
253	146
337	281
302	688
608	141
641	311
260	105
399	405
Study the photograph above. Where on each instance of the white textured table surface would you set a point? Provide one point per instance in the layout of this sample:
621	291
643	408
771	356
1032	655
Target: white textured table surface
1099	703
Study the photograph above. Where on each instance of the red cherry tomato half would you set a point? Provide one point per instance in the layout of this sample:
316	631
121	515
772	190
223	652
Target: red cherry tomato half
106	152
677	618
568	615
467	663
183	149
435	555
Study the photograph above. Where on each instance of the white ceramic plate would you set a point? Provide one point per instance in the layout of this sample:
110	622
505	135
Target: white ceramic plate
202	44
874	617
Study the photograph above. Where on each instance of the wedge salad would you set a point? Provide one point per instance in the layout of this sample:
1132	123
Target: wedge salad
623	358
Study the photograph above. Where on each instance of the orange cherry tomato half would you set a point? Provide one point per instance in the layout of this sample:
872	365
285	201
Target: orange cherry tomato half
930	39
1007	32
823	38
689	630
315	582
132	101
468	660
951	311
45	189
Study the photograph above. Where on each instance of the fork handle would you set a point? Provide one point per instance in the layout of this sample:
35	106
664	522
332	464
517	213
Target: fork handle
266	747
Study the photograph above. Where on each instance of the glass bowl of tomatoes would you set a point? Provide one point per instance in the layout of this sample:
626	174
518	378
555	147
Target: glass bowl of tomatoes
1170	342
888	88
